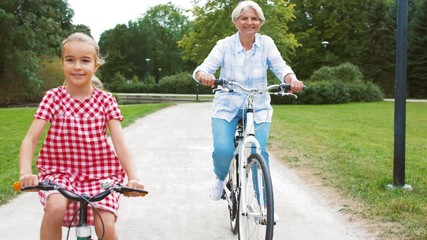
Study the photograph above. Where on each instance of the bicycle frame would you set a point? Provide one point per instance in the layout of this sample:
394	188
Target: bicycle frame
246	146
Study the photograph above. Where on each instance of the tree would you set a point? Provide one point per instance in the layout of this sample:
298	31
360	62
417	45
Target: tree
28	31
209	27
154	36
417	53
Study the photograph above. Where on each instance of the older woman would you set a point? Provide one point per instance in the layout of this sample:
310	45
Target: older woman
245	58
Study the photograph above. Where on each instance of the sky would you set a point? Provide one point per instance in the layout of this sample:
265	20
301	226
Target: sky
101	15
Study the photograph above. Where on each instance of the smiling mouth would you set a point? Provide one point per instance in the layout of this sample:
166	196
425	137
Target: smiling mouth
77	74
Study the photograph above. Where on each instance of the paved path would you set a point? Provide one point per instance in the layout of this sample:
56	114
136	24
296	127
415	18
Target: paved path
172	149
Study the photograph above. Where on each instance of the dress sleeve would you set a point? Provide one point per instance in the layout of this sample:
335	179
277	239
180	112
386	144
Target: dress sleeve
113	109
46	108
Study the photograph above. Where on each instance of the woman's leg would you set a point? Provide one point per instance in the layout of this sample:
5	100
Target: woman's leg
223	142
54	212
109	221
262	131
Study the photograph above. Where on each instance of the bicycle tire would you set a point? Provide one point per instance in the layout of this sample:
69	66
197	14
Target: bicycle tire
233	208
254	224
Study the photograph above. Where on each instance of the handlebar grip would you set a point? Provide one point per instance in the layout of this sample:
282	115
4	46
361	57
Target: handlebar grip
219	82
16	186
141	192
43	185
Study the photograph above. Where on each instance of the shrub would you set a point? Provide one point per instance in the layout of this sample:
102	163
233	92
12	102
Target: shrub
325	92
364	92
345	72
182	83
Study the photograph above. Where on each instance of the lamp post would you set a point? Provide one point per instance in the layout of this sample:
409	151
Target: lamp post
325	45
158	74
147	60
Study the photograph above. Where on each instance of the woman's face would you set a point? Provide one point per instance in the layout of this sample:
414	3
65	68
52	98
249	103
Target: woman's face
79	63
248	23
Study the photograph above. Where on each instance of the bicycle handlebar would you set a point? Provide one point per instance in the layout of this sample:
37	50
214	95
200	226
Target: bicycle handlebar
48	185
283	88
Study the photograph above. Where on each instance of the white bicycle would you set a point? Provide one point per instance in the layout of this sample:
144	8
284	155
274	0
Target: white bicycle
248	187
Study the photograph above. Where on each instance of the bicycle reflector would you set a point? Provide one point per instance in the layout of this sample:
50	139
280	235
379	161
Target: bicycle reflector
16	186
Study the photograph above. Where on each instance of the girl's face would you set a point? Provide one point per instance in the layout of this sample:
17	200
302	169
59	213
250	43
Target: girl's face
79	63
248	23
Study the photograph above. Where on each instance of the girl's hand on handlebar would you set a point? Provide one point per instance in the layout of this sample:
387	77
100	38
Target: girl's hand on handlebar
206	79
28	180
134	183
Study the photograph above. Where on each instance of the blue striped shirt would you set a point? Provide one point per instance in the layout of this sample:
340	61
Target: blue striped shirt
248	68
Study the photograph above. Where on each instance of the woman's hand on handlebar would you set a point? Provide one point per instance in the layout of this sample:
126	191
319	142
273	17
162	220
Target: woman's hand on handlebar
206	79
296	86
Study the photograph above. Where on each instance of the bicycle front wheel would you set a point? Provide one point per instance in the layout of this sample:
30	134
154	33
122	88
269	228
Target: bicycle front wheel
256	203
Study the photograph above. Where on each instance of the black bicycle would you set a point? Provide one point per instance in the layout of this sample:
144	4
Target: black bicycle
83	231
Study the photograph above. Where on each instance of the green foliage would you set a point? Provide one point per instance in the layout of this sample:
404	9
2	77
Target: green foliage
147	46
417	54
345	72
340	84
179	83
149	80
364	92
52	73
325	92
209	27
28	32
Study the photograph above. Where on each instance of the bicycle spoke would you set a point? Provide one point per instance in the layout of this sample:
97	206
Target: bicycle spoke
253	222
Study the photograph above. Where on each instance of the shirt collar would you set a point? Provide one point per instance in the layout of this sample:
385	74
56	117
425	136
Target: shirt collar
238	45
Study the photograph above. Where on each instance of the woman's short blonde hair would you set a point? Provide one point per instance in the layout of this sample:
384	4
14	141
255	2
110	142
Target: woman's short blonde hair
243	7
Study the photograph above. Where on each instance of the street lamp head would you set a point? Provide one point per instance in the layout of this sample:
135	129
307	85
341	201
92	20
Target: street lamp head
147	60
325	43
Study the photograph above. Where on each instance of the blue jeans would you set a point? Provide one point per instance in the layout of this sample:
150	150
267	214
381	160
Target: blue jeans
223	141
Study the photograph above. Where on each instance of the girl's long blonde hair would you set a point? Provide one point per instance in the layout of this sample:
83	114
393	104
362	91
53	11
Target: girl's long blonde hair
82	37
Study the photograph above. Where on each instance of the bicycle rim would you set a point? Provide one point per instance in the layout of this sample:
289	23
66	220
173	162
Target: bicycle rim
256	214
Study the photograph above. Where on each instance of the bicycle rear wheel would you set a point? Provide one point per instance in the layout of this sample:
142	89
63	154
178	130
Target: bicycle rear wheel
256	213
233	204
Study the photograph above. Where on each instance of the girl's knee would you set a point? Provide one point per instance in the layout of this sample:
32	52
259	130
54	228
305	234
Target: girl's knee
106	227
55	206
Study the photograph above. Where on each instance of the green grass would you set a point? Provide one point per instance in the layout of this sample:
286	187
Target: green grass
350	147
15	124
347	146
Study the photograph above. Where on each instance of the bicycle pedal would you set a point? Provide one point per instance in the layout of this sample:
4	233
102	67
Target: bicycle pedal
223	195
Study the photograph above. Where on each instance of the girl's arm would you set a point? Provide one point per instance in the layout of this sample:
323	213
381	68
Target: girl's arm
123	153
26	153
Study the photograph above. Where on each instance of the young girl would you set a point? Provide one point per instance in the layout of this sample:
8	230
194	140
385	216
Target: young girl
76	153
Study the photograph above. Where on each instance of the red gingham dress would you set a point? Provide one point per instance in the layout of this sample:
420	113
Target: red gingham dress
76	153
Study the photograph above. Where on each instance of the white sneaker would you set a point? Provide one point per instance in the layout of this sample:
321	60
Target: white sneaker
276	218
217	190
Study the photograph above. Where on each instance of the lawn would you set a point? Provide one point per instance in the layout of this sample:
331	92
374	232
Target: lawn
15	124
350	147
